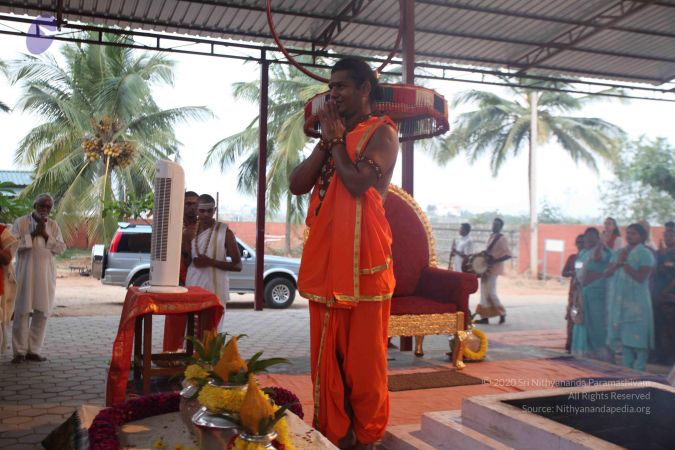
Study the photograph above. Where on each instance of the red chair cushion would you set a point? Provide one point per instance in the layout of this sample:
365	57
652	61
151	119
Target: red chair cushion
445	286
420	305
410	246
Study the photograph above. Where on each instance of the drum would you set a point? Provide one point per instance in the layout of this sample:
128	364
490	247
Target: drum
476	264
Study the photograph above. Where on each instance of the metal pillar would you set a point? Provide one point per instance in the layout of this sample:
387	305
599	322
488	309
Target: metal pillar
407	157
408	161
262	184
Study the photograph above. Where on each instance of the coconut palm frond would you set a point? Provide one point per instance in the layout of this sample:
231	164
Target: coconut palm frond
499	127
95	93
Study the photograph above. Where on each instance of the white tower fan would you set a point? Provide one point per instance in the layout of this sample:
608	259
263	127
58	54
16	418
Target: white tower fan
167	228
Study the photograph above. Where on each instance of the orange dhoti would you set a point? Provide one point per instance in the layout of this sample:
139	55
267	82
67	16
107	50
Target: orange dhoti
346	272
350	370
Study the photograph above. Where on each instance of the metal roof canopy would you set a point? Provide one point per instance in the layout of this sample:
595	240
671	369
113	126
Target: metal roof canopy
621	40
625	41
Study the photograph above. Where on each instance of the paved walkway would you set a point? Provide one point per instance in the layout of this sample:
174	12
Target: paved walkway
36	397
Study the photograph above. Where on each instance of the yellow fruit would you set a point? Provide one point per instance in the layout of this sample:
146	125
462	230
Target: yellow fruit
254	408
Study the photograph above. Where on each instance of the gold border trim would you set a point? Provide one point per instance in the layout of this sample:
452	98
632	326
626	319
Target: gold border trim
406	197
376	269
366	136
425	324
317	383
363	298
357	246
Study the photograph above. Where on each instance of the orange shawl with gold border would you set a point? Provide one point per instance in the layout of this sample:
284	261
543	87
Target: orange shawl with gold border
347	254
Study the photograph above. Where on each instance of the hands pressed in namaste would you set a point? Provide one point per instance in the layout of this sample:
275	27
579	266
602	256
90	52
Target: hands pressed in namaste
332	125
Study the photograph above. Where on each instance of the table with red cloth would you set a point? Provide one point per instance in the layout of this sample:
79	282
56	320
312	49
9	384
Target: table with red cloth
137	304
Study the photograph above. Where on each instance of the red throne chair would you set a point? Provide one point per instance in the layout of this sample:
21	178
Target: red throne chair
428	300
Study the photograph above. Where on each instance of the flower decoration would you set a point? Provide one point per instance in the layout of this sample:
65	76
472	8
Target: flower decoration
103	430
232	369
219	399
195	372
208	352
476	345
260	417
281	397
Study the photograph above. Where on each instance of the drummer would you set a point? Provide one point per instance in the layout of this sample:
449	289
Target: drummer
462	248
497	252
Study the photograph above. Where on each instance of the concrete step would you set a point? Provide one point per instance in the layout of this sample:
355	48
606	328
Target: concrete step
442	430
401	437
446	428
523	430
500	425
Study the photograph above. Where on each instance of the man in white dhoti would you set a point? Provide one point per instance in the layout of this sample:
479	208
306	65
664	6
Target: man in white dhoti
497	252
213	243
39	240
8	246
462	248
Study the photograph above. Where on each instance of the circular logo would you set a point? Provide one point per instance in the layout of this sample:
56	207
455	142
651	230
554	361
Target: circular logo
40	34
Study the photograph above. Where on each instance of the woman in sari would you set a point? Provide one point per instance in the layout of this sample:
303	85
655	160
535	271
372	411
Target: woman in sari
631	322
570	272
663	295
589	335
611	235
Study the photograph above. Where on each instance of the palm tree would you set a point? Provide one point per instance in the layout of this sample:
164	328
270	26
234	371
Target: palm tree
500	127
3	69
102	131
289	90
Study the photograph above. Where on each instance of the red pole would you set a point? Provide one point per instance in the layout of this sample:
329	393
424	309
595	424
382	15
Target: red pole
408	159
262	184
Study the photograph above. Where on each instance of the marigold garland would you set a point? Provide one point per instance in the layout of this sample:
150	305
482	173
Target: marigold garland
218	399
482	351
194	371
104	428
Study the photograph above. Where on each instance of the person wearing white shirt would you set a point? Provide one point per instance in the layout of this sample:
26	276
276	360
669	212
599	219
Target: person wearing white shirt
39	241
461	249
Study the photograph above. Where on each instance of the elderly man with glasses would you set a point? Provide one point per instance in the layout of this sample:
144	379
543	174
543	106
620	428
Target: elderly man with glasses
39	241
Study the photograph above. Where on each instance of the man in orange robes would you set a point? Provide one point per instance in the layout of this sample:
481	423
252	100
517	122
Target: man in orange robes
346	270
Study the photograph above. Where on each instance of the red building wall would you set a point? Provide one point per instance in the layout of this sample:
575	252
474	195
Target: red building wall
274	235
566	233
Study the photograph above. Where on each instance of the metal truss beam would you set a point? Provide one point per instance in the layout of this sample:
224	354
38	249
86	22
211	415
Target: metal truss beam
569	39
444	3
162	44
544	18
479	37
208	47
312	42
344	17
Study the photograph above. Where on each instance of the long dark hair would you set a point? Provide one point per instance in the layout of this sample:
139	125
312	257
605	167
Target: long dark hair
616	231
360	72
